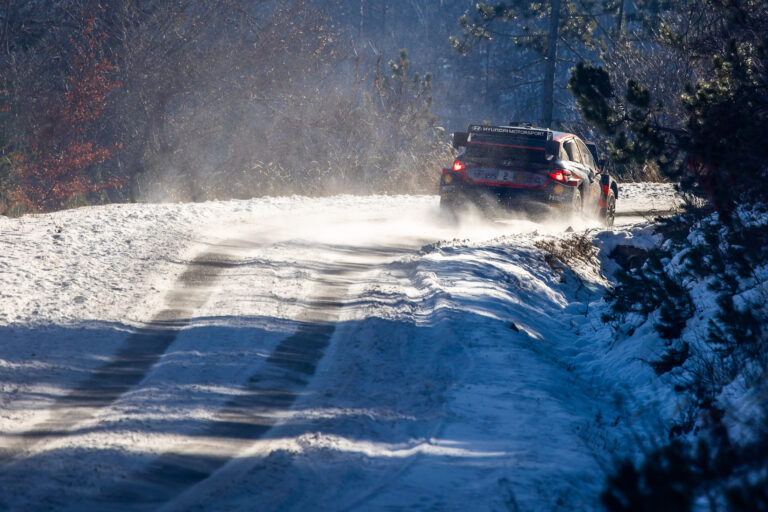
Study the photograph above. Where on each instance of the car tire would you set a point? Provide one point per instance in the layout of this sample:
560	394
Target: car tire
608	214
576	204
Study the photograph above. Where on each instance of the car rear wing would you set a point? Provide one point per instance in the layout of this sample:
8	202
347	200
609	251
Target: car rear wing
531	139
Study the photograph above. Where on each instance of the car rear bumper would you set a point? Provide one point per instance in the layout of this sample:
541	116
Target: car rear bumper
552	196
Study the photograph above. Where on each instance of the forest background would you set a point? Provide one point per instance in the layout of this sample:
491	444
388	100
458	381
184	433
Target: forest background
170	100
193	100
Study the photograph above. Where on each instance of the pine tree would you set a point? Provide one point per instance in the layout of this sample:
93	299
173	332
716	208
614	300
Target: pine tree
540	27
405	99
717	151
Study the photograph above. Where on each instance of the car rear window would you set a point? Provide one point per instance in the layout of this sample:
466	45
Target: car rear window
501	147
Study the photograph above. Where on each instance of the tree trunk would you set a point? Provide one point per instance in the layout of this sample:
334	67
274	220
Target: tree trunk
383	17
6	36
620	19
548	96
362	19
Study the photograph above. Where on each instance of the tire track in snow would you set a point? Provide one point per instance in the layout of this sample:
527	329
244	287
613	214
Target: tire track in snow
297	487
133	359
249	415
242	419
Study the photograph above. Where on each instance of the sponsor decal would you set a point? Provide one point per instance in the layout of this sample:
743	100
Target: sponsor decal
503	130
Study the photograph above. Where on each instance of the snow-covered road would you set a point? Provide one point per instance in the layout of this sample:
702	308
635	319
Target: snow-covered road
347	353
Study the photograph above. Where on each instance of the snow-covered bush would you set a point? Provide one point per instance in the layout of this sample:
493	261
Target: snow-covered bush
704	289
713	474
647	286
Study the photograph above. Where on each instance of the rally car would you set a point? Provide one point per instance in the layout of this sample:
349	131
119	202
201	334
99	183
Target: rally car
529	170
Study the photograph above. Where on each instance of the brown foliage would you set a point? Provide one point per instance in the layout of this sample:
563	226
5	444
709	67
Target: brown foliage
60	151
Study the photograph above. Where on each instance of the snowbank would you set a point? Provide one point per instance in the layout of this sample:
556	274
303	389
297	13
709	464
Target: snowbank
447	366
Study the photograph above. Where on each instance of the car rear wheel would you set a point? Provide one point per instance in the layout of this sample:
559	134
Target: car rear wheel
608	214
576	205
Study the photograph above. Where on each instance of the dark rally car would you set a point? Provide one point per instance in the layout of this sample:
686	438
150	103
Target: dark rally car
527	169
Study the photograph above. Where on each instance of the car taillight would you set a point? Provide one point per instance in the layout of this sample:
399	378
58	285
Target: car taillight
557	175
561	175
458	166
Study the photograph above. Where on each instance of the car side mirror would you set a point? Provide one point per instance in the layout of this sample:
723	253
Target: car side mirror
460	139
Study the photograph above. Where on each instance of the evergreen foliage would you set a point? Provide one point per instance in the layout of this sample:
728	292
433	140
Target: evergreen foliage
528	22
649	287
716	150
537	28
726	257
663	482
737	329
731	252
405	100
714	473
702	464
671	359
